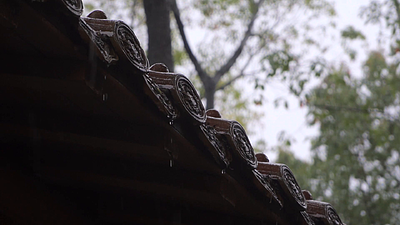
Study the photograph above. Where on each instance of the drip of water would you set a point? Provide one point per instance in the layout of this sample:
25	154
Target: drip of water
105	97
105	77
171	122
169	148
223	172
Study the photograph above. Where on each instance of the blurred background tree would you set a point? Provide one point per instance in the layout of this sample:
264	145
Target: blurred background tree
356	164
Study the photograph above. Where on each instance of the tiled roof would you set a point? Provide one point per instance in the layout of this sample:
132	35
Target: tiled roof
102	137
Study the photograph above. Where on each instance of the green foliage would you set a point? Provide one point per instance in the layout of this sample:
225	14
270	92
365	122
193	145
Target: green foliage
351	33
356	153
279	62
356	156
384	11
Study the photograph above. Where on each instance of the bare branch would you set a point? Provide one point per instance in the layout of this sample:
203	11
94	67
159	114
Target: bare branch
241	74
202	74
222	87
225	68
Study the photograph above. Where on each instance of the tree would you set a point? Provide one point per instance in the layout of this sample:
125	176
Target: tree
247	38
356	156
268	43
159	32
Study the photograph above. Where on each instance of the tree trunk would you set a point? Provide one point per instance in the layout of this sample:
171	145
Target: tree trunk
159	32
210	88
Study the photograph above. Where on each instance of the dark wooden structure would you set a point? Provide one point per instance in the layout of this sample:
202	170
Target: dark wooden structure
92	134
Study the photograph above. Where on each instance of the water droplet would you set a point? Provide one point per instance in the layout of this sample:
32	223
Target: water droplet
105	77
171	163
223	172
171	122
105	97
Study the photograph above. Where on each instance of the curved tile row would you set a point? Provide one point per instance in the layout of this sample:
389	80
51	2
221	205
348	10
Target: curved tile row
177	99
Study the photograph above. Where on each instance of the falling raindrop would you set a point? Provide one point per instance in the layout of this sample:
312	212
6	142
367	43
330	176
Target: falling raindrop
105	97
169	147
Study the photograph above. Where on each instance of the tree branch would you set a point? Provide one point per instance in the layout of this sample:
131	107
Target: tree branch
202	74
225	68
241	74
222	87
